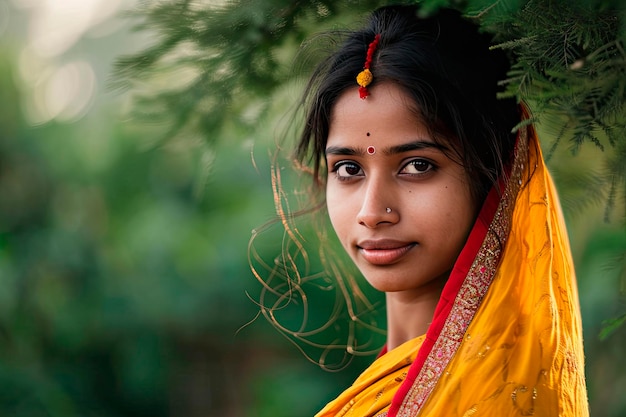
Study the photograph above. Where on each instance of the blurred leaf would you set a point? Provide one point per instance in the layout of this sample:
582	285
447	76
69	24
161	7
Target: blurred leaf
611	326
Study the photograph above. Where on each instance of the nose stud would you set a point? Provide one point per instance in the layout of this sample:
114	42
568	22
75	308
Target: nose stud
388	210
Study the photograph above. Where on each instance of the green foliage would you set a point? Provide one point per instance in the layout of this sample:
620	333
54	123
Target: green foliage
570	66
611	325
215	64
598	254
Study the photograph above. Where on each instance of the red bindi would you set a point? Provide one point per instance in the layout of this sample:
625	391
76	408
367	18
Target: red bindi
371	150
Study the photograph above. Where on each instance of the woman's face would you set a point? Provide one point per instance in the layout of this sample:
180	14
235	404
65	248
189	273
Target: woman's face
379	156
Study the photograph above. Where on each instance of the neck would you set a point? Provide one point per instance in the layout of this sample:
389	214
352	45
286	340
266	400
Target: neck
410	313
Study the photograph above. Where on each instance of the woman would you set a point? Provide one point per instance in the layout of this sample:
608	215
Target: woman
451	215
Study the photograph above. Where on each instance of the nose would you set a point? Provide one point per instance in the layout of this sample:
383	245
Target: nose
378	206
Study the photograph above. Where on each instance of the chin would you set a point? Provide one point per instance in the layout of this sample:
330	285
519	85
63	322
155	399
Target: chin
388	285
393	282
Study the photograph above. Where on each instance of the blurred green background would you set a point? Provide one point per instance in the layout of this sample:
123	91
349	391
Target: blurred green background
125	284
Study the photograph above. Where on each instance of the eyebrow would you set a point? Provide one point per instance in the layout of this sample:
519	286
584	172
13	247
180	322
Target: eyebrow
405	147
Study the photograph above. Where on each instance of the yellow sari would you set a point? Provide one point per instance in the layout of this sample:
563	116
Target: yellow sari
506	337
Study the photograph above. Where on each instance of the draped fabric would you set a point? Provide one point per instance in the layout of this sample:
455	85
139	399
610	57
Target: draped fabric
506	337
374	389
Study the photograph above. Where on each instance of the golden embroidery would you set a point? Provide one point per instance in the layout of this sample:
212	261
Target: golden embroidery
346	408
530	410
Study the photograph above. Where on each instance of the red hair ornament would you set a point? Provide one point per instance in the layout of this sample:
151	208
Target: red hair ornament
366	77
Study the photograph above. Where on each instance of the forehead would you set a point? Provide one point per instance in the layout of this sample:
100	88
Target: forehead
388	112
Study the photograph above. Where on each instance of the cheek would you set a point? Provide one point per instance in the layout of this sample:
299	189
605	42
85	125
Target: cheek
461	215
448	213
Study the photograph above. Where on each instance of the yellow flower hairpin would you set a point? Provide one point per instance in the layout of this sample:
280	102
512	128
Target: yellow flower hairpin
366	77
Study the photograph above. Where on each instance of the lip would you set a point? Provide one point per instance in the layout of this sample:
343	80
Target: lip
384	251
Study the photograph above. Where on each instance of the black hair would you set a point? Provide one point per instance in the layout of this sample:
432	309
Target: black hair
445	64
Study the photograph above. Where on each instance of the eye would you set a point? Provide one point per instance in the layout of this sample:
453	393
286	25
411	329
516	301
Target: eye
418	167
346	170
